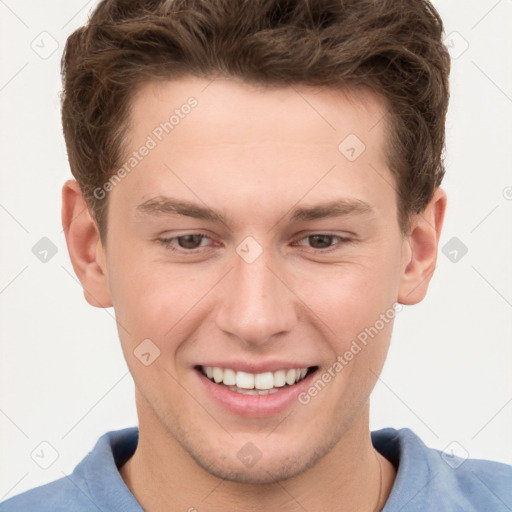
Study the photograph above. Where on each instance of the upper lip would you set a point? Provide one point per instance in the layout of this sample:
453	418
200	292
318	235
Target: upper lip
248	367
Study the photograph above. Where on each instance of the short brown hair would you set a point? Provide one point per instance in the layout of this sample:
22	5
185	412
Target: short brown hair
393	47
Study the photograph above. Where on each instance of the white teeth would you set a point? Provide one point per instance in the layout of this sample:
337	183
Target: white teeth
218	375
264	381
279	378
253	391
261	383
290	377
229	377
244	380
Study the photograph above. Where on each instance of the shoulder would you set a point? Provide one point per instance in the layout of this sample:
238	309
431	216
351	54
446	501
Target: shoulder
440	478
95	483
483	482
58	496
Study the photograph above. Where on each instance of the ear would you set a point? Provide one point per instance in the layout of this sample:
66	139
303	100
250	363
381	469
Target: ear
419	254
84	246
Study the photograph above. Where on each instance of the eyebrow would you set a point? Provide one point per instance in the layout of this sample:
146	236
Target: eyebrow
162	205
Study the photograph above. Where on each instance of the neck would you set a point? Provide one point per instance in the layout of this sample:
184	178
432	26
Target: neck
351	476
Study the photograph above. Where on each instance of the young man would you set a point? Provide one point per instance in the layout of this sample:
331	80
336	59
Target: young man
258	188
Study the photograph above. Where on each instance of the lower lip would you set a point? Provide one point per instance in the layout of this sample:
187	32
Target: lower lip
255	406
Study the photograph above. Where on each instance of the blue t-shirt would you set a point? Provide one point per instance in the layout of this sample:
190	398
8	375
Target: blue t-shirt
427	479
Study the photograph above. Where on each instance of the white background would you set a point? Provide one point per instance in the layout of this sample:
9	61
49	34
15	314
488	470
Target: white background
63	378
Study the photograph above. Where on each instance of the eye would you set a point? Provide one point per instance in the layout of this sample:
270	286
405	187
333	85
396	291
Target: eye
322	241
188	242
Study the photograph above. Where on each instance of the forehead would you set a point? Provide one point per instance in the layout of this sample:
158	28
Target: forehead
228	107
229	143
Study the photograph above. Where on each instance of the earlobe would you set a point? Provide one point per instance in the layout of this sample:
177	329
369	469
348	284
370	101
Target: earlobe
420	250
84	246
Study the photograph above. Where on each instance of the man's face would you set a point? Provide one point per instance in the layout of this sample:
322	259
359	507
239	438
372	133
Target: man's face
263	286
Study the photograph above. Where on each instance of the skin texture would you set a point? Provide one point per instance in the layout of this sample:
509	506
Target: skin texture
254	155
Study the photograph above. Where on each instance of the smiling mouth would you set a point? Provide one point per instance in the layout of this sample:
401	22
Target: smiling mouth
255	384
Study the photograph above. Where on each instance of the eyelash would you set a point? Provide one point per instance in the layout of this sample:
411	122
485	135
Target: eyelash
167	242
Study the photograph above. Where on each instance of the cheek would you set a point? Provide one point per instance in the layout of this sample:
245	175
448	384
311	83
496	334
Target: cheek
156	300
350	299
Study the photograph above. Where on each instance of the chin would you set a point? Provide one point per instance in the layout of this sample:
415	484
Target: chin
248	465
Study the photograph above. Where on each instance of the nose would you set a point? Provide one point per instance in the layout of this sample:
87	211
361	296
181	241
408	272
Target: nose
255	304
